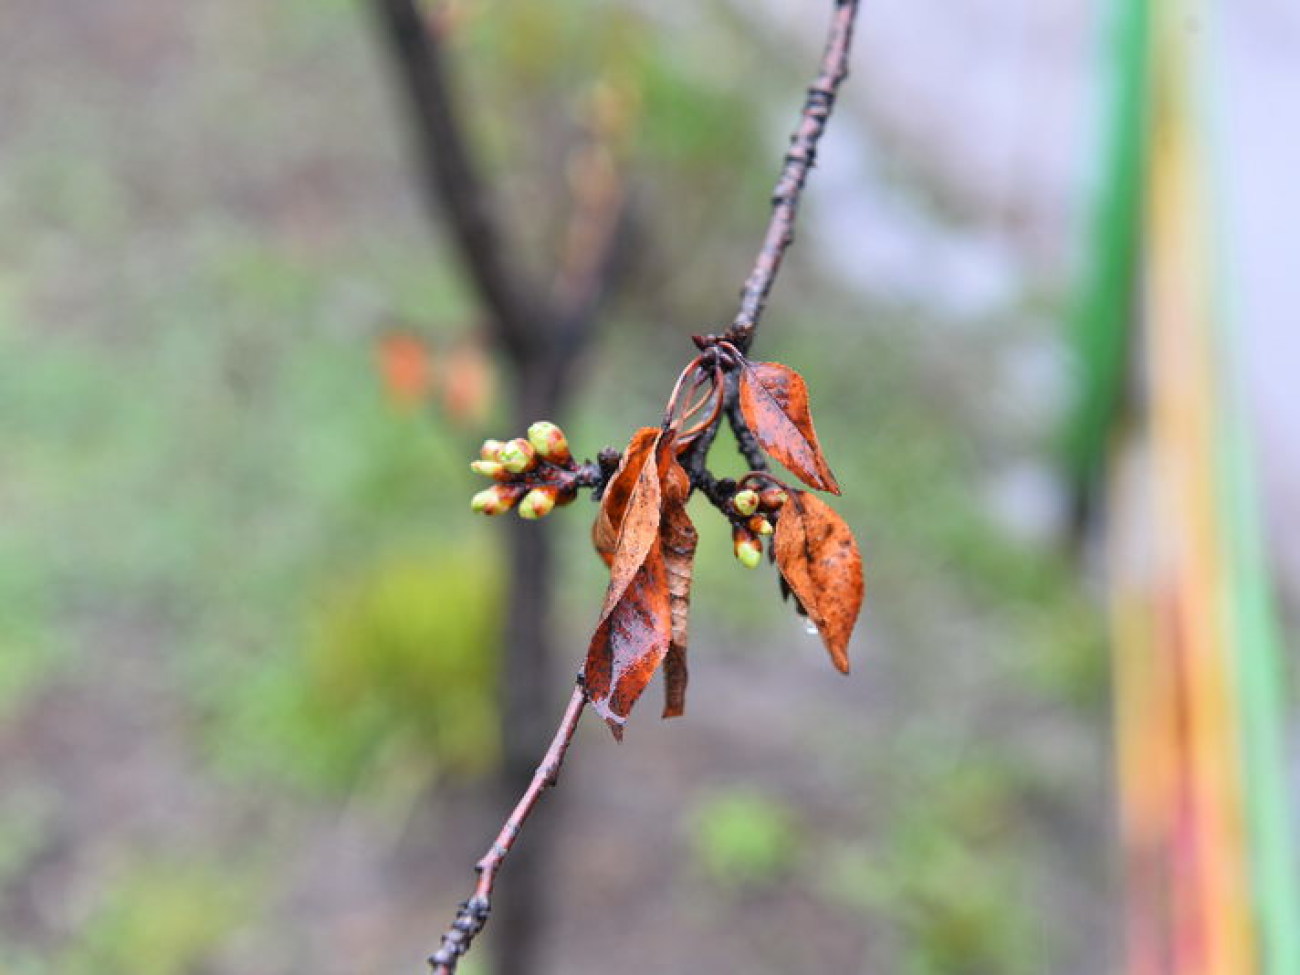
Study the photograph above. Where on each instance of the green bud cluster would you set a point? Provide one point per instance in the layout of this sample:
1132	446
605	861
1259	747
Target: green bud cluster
536	473
753	508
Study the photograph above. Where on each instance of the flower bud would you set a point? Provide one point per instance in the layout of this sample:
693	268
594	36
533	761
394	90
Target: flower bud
759	525
537	503
772	498
748	549
549	442
496	500
488	468
745	502
491	450
517	456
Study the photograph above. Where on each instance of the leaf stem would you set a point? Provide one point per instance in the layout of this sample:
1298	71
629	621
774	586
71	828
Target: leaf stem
474	912
671	407
717	393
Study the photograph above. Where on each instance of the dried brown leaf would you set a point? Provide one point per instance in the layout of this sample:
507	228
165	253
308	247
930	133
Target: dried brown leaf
676	677
819	559
646	513
618	492
774	401
678	537
630	642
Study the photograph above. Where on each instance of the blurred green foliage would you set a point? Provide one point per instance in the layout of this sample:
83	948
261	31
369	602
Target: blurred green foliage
742	838
405	658
162	918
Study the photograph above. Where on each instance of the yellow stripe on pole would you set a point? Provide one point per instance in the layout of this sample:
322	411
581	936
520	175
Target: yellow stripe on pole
1210	893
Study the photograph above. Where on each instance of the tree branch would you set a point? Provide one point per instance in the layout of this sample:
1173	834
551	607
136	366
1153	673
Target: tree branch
453	183
474	912
450	177
798	161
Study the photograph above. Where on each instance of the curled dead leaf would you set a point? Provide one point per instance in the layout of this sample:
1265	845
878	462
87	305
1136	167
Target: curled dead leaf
643	621
618	492
774	401
818	558
678	537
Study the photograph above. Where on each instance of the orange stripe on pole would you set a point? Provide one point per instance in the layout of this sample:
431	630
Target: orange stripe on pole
1212	924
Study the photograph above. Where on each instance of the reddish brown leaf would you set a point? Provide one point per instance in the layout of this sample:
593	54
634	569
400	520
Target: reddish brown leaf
629	643
678	538
819	560
618	492
637	621
639	533
774	400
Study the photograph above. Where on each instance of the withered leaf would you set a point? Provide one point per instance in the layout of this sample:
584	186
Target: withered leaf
648	519
618	492
774	401
819	559
678	538
630	642
675	678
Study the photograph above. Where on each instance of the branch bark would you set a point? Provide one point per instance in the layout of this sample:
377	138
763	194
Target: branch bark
799	159
474	912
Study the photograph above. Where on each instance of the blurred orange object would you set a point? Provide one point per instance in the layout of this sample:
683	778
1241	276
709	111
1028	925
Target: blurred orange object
406	367
467	385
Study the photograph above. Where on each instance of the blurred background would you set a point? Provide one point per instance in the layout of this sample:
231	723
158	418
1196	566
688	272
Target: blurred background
251	639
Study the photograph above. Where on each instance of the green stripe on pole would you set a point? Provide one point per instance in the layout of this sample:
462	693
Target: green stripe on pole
1261	683
1252	616
1103	311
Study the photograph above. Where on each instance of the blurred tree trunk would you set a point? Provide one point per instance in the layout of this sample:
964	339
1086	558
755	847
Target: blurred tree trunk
529	674
538	337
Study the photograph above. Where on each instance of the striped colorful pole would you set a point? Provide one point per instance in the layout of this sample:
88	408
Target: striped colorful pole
1210	865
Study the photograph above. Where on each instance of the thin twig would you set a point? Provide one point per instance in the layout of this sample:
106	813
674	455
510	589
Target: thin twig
474	230
798	161
474	912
